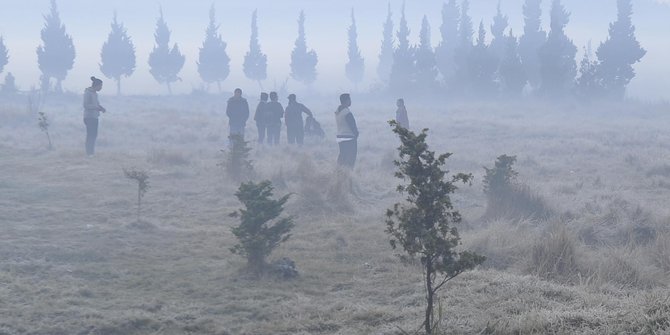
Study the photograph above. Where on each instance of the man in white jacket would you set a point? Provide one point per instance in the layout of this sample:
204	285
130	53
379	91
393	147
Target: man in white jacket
347	133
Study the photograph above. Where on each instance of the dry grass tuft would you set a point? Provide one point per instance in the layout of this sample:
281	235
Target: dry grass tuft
556	256
321	190
71	265
168	157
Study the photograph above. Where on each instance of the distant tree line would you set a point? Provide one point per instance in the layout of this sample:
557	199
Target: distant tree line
541	63
462	64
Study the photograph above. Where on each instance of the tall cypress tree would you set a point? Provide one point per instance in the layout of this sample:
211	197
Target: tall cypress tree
557	56
255	61
444	53
461	56
165	63
402	71
4	54
56	54
532	40
386	53
619	52
482	66
499	43
426	67
213	61
355	68
303	62
512	76
117	55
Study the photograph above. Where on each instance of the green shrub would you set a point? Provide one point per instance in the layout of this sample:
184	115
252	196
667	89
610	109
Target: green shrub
424	225
236	163
260	230
509	199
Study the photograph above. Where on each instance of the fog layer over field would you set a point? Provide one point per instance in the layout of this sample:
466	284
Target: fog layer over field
326	27
576	230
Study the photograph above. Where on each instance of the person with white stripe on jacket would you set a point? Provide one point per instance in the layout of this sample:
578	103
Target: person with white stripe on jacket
347	133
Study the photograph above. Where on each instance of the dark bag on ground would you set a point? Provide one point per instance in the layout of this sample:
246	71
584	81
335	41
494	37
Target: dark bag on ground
313	128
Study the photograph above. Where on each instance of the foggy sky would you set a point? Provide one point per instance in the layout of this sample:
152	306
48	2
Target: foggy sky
88	22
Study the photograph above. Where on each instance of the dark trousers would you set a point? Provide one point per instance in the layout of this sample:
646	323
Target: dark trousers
91	134
295	134
262	128
274	132
348	152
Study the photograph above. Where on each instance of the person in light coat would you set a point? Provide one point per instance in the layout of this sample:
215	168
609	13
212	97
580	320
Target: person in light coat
347	133
92	111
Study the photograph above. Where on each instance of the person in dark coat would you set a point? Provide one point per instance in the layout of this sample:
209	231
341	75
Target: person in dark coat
347	133
92	111
295	128
401	114
275	112
261	117
238	113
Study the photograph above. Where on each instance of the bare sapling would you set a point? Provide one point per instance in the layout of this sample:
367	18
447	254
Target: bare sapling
142	179
43	123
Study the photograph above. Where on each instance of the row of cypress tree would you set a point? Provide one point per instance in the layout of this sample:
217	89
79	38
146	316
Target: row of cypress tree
56	54
544	62
541	62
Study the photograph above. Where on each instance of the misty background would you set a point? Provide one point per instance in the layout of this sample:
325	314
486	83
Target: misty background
88	22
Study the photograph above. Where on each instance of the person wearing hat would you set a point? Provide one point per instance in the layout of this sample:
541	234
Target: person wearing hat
92	111
347	133
261	117
295	128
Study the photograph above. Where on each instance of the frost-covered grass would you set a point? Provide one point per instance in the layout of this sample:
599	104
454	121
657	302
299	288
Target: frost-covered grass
74	261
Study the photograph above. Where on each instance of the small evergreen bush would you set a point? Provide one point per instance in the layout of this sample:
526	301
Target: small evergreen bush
261	229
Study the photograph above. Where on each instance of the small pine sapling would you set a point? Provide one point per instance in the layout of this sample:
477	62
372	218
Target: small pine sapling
43	123
142	179
260	230
424	224
506	197
499	179
236	162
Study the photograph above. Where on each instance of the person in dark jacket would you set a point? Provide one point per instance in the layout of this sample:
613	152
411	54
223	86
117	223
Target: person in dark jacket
261	117
238	113
295	128
275	112
401	114
347	133
92	111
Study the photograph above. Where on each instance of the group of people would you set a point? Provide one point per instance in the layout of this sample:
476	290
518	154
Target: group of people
268	118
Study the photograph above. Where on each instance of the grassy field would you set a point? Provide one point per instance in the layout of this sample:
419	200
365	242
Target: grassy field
74	260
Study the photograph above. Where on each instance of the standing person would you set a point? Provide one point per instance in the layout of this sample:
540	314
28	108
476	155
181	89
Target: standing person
347	133
401	114
261	117
295	128
238	113
275	111
92	111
